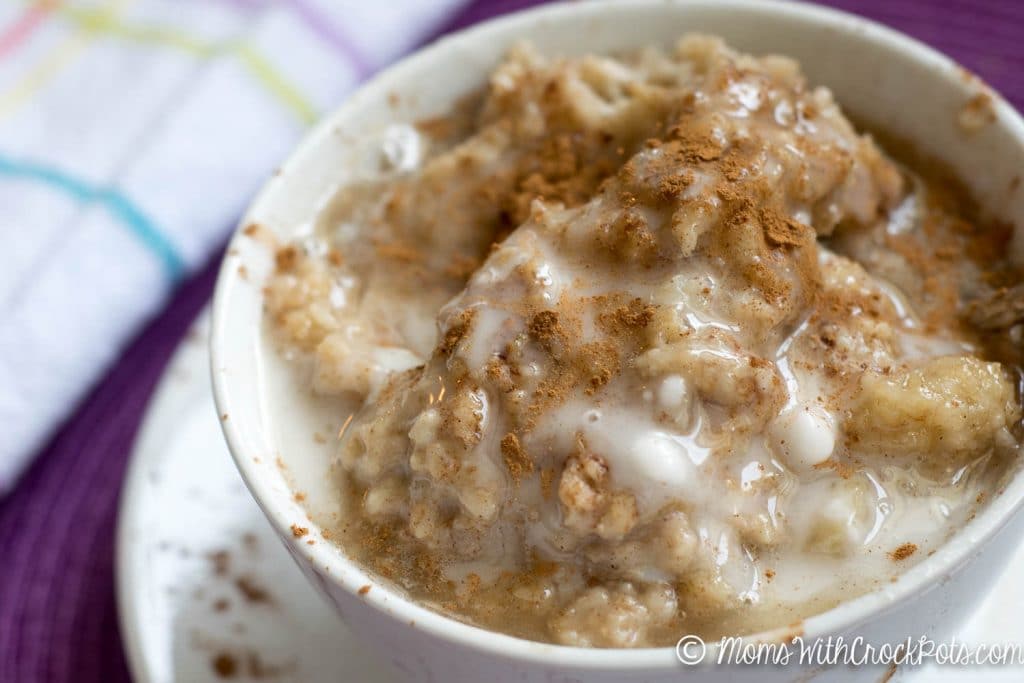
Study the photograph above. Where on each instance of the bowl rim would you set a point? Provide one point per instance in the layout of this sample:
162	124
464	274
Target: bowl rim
350	576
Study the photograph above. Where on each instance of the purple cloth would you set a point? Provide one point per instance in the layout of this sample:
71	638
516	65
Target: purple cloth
58	618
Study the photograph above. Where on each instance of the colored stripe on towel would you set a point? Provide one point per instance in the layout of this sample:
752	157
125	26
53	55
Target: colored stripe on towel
22	27
269	77
52	64
332	34
319	24
115	202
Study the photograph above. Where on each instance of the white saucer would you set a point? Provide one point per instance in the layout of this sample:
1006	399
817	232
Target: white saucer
203	582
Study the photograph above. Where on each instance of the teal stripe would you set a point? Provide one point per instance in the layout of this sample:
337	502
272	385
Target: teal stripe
115	202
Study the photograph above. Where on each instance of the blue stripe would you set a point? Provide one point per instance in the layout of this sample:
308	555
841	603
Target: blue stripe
115	202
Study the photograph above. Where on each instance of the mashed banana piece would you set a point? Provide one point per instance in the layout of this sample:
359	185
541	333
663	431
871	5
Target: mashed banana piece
953	409
679	384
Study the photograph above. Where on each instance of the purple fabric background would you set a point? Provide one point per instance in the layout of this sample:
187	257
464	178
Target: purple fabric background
58	617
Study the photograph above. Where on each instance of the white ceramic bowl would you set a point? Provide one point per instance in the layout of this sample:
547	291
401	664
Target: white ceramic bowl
878	75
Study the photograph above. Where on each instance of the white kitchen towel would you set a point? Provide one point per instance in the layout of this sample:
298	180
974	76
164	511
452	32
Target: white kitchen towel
132	135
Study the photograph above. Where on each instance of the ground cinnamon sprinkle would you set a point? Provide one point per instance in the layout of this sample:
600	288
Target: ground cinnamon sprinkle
221	561
671	186
461	417
544	327
737	161
565	168
286	258
782	230
692	145
500	374
629	317
634	239
225	665
588	366
247	664
552	390
457	331
517	460
251	590
598	362
903	552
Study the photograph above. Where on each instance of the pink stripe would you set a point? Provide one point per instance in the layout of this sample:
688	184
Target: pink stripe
17	32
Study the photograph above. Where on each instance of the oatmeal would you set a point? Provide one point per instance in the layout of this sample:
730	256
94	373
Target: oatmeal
653	345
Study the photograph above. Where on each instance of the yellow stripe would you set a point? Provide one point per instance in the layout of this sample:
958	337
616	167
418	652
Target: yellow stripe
276	84
100	22
44	71
94	22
